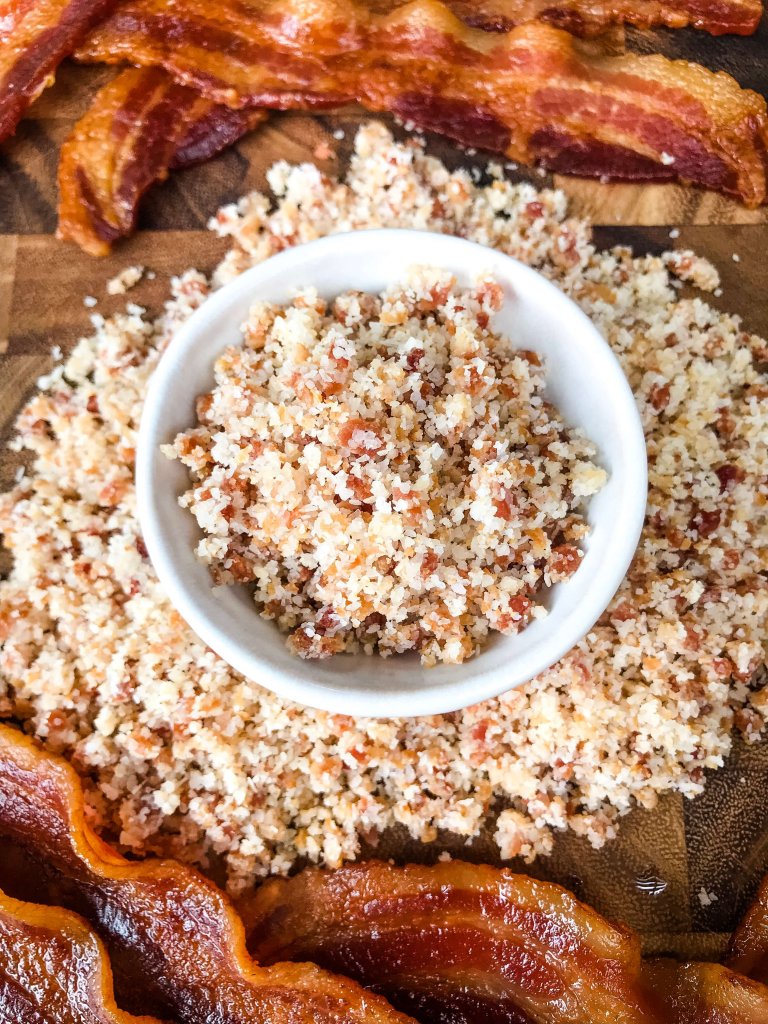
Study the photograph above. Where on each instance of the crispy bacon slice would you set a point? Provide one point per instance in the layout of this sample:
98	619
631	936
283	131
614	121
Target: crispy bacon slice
706	994
176	943
35	36
530	93
140	126
466	944
591	17
53	969
456	942
748	952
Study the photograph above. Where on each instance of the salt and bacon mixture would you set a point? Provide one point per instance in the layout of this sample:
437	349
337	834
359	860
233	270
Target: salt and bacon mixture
385	471
184	756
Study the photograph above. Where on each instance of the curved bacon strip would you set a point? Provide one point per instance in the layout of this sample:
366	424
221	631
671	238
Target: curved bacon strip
748	952
176	944
530	94
456	942
140	125
35	36
706	994
467	944
591	17
53	969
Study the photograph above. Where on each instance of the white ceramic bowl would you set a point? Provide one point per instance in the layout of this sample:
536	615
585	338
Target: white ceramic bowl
584	381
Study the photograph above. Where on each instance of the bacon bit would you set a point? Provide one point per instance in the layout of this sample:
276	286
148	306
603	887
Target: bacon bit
705	522
437	296
93	405
429	563
748	722
729	475
505	504
517	616
272	610
530	357
490	293
327	621
658	396
309	644
322	151
427	389
725	424
413	358
723	667
239	568
564	561
361	490
203	407
693	638
534	210
376	621
624	612
398	494
360	436
112	493
731	559
57	723
480	731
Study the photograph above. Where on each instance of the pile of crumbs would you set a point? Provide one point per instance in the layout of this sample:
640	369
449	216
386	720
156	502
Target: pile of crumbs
184	757
384	472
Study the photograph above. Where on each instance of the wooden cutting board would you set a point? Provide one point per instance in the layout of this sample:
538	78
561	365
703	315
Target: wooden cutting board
653	874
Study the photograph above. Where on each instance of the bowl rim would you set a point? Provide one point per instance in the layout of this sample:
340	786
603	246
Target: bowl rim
471	686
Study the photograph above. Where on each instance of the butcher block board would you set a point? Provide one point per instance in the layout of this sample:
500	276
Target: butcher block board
654	875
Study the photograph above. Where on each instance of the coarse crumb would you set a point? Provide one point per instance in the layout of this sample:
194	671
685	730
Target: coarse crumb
385	472
706	899
125	280
184	757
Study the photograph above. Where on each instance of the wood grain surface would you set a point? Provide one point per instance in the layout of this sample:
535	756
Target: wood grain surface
653	874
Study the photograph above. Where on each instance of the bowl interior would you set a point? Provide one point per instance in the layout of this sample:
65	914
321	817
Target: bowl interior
584	381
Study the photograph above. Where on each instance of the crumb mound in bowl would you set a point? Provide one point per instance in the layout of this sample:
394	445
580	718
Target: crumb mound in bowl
385	472
183	756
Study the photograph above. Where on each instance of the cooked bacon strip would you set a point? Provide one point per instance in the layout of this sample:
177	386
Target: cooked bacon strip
470	944
176	944
140	125
35	36
706	994
530	94
748	952
53	969
456	942
591	17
